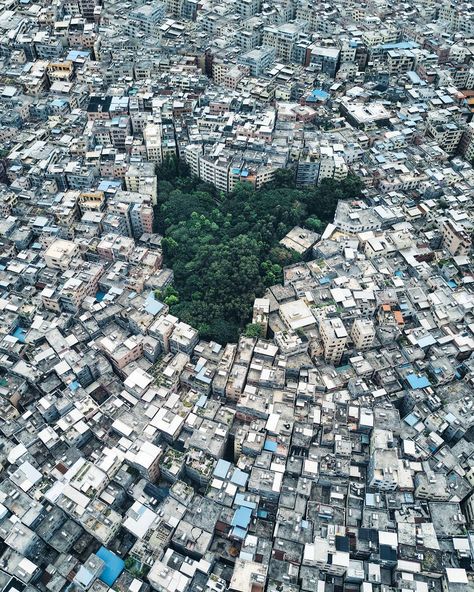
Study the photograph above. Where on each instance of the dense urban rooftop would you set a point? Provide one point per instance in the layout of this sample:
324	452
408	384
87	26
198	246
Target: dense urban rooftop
236	296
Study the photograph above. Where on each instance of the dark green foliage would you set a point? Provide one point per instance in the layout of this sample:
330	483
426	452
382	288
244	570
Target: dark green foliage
224	250
169	296
283	178
129	562
172	168
137	569
253	330
314	224
323	201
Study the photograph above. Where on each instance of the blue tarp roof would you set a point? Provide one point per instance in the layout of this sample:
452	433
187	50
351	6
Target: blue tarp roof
201	402
242	517
113	566
411	419
413	76
241	501
20	334
426	341
84	577
153	306
319	94
239	533
400	45
270	445
76	53
239	477
203	377
104	185
222	468
241	172
417	382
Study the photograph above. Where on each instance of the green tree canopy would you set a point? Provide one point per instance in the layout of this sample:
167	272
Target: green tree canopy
253	330
224	249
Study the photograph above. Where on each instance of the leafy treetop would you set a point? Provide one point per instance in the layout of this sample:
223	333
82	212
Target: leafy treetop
224	249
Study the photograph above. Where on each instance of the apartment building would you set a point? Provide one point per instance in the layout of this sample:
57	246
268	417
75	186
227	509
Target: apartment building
334	336
363	334
146	19
455	239
282	39
258	60
141	178
60	254
447	133
152	137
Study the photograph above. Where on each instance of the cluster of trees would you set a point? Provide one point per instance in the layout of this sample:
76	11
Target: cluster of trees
224	249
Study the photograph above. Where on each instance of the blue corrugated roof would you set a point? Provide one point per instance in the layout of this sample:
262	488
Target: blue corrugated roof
201	375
